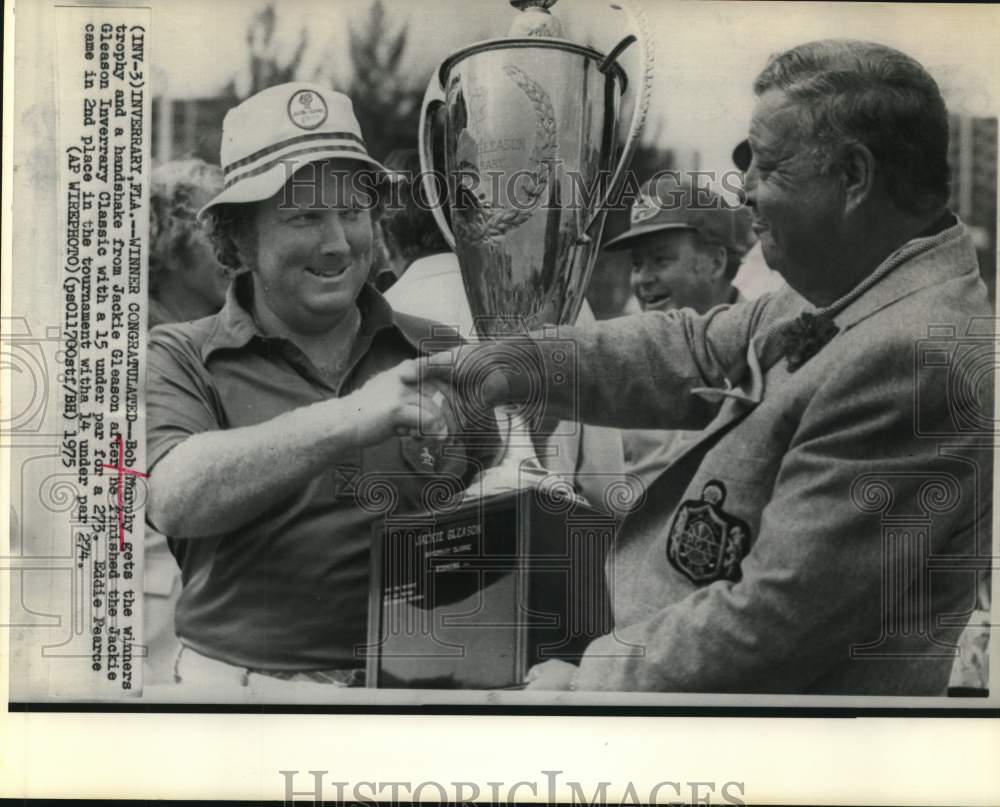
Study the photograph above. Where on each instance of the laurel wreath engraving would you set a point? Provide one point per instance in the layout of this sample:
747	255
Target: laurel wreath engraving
648	63
486	221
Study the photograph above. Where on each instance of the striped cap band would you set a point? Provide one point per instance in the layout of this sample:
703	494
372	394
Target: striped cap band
274	133
294	141
324	147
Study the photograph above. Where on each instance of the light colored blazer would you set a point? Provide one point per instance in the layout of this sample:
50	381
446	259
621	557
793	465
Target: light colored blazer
649	451
818	537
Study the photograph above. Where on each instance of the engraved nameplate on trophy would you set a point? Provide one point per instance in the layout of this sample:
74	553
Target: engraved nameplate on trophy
473	599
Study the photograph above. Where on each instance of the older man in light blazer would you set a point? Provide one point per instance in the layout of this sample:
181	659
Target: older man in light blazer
822	534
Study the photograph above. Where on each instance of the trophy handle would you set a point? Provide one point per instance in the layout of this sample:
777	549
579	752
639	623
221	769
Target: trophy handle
640	108
433	100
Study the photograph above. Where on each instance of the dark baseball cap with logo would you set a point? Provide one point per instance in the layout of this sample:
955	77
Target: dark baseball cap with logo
666	203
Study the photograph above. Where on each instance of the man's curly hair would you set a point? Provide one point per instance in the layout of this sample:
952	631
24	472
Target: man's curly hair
227	226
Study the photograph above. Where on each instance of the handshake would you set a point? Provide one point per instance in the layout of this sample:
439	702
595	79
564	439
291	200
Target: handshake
453	393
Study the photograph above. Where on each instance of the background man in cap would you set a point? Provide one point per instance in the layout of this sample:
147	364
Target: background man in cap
270	420
686	243
765	559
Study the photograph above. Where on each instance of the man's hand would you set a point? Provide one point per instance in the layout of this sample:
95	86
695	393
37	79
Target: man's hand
488	375
271	459
397	402
551	675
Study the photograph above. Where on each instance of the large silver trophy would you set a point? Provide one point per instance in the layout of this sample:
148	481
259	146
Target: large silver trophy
531	157
470	596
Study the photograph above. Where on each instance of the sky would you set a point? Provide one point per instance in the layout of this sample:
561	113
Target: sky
707	52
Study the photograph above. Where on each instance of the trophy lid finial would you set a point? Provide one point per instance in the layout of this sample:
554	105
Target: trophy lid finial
535	19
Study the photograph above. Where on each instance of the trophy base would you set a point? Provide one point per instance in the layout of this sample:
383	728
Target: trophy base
505	479
471	599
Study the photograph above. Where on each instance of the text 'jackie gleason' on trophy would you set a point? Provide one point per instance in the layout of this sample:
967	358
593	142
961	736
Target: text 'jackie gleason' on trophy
473	595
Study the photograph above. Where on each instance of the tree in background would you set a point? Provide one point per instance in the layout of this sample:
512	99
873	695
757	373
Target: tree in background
386	98
386	101
266	66
196	123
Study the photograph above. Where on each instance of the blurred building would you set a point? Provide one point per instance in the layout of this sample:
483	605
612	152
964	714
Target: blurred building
188	127
972	154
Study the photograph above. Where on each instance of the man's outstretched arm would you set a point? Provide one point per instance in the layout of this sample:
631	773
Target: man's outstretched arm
632	372
214	479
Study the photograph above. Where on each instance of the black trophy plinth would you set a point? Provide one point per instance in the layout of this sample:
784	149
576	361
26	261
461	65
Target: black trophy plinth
472	598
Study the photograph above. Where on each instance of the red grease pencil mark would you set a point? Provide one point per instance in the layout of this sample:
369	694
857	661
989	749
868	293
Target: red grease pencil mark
122	470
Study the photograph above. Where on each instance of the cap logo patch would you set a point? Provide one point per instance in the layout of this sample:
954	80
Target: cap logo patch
644	208
307	109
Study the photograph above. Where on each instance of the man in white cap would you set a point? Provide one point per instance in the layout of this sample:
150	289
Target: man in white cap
269	420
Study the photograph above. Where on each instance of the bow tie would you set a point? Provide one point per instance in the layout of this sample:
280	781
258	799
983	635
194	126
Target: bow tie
804	337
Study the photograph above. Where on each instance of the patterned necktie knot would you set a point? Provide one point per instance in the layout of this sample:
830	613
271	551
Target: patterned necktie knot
805	336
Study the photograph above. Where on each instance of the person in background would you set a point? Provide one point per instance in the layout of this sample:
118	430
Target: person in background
413	241
687	244
186	282
381	276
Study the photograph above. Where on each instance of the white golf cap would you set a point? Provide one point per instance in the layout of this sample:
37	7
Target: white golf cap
271	135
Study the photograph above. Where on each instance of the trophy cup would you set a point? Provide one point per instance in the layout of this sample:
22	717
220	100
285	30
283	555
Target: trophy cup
471	596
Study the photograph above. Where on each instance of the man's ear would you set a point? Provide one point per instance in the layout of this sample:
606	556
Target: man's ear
718	258
858	168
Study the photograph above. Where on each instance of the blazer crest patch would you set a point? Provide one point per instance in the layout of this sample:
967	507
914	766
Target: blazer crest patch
705	542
